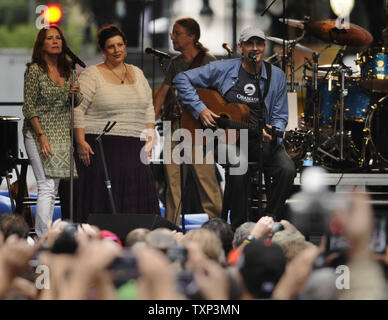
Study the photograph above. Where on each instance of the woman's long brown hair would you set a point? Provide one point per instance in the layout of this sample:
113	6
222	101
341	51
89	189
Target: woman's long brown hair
64	65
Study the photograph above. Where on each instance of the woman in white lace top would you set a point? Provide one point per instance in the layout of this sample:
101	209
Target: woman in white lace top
114	91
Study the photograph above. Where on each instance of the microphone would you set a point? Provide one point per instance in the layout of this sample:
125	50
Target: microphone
252	55
157	53
227	48
73	57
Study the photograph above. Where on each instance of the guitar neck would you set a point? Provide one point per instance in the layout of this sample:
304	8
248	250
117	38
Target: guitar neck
253	128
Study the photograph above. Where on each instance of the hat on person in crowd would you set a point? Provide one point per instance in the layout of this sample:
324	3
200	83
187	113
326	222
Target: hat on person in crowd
261	265
109	235
250	32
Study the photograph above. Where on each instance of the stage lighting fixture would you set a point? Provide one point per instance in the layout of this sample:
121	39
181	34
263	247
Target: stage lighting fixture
342	8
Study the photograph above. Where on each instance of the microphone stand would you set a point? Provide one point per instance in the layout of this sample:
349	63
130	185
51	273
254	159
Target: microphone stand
284	60
108	185
178	115
290	54
74	60
315	107
73	76
160	61
261	125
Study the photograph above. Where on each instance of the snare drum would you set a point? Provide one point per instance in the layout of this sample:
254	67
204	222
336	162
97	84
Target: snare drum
356	102
374	69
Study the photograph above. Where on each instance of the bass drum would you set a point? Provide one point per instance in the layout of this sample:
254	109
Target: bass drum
356	102
376	125
374	69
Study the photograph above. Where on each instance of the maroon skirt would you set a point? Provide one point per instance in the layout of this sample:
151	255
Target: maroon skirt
133	185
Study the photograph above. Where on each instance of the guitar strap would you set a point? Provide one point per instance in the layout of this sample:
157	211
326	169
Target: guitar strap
197	61
268	68
263	109
171	96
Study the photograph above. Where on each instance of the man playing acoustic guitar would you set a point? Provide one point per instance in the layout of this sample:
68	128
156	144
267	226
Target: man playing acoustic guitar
235	80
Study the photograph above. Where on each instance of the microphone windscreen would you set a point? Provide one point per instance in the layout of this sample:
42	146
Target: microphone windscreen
252	55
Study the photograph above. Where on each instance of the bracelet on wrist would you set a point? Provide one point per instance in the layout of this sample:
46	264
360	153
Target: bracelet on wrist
249	238
40	134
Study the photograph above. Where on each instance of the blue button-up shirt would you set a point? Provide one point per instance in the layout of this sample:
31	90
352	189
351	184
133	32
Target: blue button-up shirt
222	75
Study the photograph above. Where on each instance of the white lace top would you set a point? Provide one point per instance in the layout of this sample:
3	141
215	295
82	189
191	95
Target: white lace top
130	105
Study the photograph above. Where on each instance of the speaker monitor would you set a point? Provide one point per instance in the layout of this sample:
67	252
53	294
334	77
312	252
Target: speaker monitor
122	224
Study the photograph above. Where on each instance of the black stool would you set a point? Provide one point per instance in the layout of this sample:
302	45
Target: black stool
256	196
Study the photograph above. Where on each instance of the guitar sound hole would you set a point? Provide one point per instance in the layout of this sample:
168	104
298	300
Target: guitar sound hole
221	121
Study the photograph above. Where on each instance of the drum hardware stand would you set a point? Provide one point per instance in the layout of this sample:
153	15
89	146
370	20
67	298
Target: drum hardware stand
290	54
326	153
343	92
107	128
366	139
315	106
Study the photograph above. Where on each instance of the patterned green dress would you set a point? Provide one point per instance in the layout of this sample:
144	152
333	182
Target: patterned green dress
50	102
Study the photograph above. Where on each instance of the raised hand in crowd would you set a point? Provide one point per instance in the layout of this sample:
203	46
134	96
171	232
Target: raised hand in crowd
297	272
55	228
15	254
90	269
262	227
156	276
210	277
366	276
287	225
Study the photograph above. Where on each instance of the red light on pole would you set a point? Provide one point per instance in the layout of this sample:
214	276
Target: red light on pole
53	13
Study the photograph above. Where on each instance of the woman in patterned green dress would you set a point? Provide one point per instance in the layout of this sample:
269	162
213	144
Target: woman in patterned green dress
47	93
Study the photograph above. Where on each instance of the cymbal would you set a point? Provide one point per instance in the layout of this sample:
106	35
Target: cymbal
288	42
326	30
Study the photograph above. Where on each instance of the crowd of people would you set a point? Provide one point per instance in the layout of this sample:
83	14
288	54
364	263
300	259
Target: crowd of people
210	263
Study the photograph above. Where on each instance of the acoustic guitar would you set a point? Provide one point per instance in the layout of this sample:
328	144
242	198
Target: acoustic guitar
232	116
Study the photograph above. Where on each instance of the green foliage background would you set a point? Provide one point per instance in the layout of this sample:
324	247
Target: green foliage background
18	30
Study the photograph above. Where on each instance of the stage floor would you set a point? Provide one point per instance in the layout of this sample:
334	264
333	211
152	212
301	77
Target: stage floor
353	179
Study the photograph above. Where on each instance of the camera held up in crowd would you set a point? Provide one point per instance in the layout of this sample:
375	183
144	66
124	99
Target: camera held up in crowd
312	208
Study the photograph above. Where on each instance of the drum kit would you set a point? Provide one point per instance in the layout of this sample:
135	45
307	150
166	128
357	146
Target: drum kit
345	115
